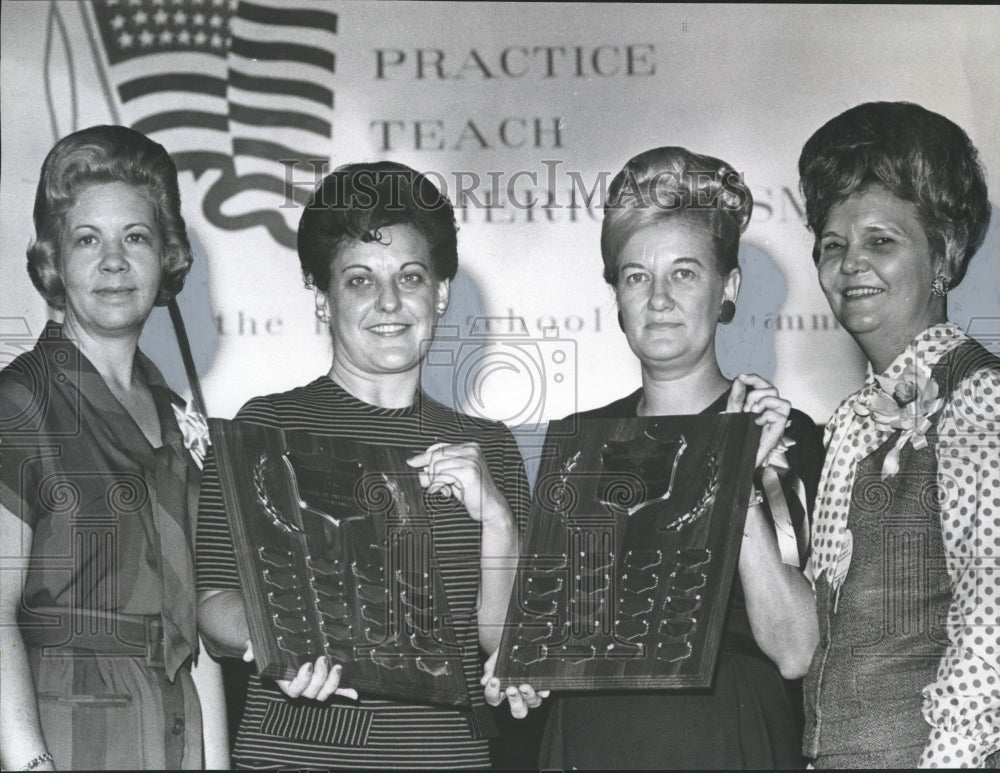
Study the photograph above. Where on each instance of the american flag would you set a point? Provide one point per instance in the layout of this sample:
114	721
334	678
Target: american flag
234	85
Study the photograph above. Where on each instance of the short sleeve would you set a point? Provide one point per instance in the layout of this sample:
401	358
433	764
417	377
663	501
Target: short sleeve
20	450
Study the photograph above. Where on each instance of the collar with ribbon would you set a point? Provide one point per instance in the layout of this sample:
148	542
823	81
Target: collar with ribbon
194	430
905	403
903	398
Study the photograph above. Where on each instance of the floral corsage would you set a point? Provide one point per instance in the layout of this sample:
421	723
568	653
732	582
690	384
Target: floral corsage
905	404
194	430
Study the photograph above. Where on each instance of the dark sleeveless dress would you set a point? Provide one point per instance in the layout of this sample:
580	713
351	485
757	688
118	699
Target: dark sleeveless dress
750	718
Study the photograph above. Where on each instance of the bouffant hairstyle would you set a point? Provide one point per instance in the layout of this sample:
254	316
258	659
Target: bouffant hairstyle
673	182
915	154
355	201
98	155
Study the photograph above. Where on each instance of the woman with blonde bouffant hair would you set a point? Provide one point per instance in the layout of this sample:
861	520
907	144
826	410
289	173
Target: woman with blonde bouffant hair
670	241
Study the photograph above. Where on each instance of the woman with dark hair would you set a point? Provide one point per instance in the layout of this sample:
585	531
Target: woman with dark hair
98	483
671	233
377	243
907	525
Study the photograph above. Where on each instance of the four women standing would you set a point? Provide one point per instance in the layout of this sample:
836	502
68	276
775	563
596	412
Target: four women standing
900	622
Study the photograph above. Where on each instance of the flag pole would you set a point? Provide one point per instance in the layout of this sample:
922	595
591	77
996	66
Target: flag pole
182	341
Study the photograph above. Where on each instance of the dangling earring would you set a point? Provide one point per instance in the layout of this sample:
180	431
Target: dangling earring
940	285
322	310
621	321
726	312
441	309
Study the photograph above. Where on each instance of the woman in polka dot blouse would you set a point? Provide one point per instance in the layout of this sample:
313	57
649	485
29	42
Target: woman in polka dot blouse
907	524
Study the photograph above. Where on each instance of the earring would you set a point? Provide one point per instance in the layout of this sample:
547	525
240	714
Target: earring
322	310
441	309
726	312
621	321
940	285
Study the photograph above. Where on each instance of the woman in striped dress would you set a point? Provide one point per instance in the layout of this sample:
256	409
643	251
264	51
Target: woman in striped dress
378	243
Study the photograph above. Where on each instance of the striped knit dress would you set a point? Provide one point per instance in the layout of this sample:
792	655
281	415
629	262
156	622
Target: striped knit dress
370	733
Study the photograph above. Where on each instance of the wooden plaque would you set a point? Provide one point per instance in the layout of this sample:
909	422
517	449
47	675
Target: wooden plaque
633	538
333	546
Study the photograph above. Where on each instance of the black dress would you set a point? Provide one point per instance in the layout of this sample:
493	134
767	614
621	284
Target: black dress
750	718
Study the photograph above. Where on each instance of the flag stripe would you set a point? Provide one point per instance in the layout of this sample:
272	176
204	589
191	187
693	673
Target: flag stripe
306	73
164	102
284	118
265	33
280	104
175	119
288	17
311	91
292	177
199	160
270	151
293	139
151	84
172	62
277	52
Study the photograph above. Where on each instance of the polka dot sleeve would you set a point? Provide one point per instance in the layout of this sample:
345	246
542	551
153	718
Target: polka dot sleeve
962	705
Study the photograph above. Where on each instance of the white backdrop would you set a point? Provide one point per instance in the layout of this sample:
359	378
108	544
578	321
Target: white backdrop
540	97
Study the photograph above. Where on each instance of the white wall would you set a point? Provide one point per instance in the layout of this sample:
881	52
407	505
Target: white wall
748	84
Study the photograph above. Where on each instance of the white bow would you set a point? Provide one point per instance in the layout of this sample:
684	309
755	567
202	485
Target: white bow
194	430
